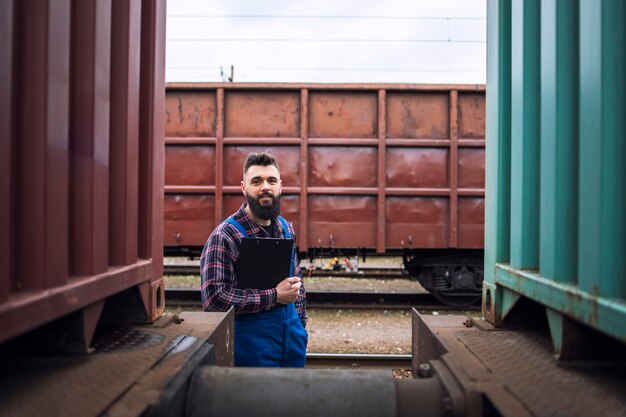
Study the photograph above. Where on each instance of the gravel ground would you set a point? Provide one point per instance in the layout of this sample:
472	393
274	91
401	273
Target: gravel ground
359	331
324	284
395	285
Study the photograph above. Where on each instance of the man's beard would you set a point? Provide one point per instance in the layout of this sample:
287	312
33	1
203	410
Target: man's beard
265	212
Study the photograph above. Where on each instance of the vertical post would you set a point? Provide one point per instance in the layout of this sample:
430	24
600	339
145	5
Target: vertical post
613	167
525	135
602	195
6	147
89	137
57	154
152	134
498	138
43	90
219	158
453	170
382	204
498	151
303	238
559	138
125	56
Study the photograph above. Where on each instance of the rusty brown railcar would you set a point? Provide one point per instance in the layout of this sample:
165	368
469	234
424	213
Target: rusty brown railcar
81	197
368	167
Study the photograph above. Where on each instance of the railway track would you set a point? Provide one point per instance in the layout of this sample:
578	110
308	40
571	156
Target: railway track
380	273
184	297
358	360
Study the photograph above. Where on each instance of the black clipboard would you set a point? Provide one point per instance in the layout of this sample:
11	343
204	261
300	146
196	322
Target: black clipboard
263	262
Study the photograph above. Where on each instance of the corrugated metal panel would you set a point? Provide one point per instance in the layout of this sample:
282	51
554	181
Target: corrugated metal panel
82	192
363	166
7	148
555	173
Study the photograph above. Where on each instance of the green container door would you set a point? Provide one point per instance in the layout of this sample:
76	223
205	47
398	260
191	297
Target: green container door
555	211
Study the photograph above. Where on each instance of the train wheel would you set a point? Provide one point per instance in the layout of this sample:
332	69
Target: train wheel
457	286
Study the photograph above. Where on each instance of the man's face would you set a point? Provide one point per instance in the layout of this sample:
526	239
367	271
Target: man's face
262	187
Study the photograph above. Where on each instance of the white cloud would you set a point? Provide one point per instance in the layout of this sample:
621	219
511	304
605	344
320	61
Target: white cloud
328	41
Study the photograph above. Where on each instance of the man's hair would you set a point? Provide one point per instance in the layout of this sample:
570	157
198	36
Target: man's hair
259	158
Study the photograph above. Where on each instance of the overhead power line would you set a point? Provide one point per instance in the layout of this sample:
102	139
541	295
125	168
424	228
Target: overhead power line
327	40
267	16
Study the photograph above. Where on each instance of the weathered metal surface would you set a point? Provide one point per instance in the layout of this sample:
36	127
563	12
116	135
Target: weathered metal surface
337	392
217	391
515	359
85	174
597	312
417	222
190	165
192	214
417	168
342	222
418	115
360	145
190	114
262	114
342	114
513	372
558	234
471	222
471	168
342	166
471	108
132	371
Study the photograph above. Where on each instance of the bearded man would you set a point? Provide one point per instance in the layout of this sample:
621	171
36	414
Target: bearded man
269	324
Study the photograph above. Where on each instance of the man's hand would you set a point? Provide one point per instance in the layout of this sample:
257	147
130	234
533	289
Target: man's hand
287	290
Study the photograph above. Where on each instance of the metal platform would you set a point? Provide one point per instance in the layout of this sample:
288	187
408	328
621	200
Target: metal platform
513	372
134	369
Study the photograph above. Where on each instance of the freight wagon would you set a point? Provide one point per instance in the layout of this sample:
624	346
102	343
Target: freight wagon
82	324
366	168
81	160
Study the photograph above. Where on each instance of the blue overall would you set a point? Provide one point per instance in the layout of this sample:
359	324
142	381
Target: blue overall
272	338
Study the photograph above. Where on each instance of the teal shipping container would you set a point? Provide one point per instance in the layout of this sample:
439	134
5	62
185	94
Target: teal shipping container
555	213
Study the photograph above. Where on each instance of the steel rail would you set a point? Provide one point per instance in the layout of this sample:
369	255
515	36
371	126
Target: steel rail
322	299
380	273
358	360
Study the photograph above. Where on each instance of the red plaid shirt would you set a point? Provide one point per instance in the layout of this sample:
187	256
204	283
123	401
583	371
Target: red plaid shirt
219	273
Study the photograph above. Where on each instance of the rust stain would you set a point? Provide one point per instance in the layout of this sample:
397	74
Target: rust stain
181	117
71	298
409	121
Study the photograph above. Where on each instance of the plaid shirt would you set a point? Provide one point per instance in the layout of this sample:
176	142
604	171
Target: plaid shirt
219	273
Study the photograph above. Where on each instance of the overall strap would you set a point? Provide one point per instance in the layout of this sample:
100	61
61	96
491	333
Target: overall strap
288	236
237	225
285	227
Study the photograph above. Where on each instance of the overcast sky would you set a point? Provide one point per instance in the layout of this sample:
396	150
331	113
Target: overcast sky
391	41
